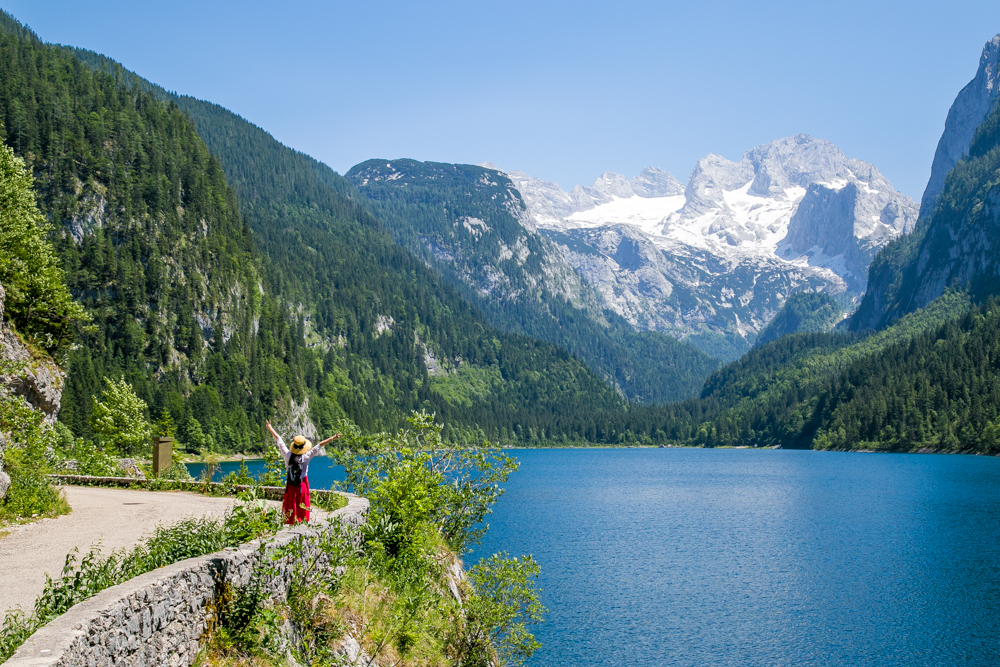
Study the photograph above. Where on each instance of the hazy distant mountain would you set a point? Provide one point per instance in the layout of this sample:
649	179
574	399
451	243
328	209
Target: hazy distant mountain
714	262
969	110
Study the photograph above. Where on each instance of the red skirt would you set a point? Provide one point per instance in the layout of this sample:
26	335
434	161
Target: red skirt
295	504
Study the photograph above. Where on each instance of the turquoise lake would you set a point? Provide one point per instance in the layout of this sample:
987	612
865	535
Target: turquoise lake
656	557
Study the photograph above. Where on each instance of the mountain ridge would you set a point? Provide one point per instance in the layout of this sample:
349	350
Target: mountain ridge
470	224
340	321
717	261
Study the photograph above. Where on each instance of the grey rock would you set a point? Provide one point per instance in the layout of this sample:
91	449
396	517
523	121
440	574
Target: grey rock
654	182
969	110
712	175
4	483
798	160
37	379
545	198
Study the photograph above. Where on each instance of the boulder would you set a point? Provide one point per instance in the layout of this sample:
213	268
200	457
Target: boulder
34	375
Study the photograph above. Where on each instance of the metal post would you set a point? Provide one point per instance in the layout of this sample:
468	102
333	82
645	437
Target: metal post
163	455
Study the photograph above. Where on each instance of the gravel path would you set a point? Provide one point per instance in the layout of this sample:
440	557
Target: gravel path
114	517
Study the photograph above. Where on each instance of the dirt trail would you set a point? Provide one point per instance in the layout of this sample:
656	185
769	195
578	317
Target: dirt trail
114	517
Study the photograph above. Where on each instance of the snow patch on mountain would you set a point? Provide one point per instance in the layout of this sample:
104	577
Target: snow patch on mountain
792	214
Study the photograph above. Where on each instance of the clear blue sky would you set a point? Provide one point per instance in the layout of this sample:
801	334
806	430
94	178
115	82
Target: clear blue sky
563	91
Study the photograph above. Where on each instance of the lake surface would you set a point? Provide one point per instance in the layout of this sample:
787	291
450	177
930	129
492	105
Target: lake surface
655	557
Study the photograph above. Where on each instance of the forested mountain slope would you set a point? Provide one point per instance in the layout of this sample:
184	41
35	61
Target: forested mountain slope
149	234
803	312
955	247
928	381
470	224
302	306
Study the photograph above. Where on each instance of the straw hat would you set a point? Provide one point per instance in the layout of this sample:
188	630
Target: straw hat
300	445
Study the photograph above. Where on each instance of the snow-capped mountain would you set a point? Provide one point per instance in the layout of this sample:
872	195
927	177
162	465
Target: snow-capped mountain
720	256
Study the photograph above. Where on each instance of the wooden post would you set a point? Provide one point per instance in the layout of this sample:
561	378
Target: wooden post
163	455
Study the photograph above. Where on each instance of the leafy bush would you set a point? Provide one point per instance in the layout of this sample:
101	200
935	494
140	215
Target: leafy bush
26	459
94	460
119	419
415	476
502	602
31	493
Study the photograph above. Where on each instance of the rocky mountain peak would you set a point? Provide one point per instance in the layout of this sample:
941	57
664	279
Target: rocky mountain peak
969	110
794	161
793	214
654	182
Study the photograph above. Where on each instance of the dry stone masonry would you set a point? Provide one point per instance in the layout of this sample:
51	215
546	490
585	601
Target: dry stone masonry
161	617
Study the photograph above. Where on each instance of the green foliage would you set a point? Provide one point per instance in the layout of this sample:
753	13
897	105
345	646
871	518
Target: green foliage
428	206
414	477
502	604
467	385
93	459
38	302
27	461
164	426
30	493
789	392
803	312
246	623
940	391
119	419
251	517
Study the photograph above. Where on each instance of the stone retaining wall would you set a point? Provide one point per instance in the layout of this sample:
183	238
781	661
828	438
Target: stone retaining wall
159	618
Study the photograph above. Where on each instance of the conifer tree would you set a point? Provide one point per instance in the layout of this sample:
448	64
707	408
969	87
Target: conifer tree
38	302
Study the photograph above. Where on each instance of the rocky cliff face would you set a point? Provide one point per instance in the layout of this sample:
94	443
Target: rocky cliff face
35	378
955	245
969	110
719	257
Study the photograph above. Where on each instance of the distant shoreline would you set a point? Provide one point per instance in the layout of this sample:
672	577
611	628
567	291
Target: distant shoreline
235	458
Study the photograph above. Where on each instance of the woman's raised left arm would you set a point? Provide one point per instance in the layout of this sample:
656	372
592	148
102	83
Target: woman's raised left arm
320	444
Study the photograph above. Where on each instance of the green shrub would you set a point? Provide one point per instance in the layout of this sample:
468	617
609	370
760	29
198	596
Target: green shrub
119	419
501	604
94	460
452	486
31	493
27	460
